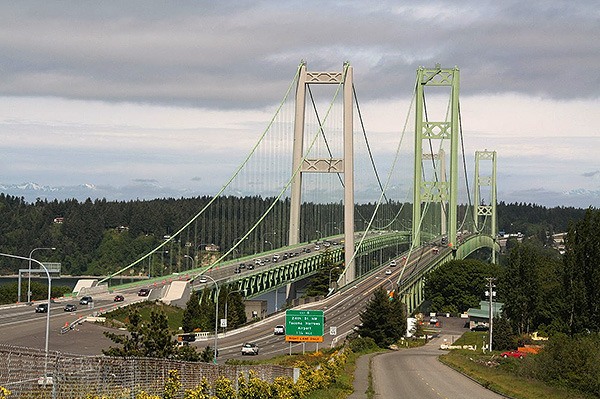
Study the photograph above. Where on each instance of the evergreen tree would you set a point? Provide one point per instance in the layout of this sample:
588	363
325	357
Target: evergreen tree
148	340
520	287
158	341
191	315
581	275
502	335
383	320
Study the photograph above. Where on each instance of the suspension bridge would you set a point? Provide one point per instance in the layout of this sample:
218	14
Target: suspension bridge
313	191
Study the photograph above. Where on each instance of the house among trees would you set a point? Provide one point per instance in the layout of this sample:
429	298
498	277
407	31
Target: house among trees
481	315
211	248
58	220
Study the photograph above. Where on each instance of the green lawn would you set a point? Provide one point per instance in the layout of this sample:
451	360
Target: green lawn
501	375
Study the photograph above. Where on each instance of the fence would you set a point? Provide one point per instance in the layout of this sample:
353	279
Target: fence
30	373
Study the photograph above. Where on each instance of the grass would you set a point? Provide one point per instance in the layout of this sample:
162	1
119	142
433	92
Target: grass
494	373
502	375
174	314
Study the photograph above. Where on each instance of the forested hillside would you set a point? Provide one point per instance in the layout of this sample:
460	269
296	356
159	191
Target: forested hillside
94	237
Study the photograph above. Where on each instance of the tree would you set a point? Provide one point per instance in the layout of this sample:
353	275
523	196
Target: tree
530	287
319	283
581	274
458	285
383	320
502	335
148	340
191	315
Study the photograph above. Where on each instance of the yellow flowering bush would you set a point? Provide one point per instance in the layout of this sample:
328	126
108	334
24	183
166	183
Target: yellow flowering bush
202	391
224	389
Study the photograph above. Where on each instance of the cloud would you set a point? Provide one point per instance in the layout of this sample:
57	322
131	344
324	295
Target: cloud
216	55
595	174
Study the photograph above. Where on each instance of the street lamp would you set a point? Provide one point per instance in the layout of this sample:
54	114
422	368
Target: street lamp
388	279
236	240
266	242
334	226
47	314
29	274
162	255
203	279
192	259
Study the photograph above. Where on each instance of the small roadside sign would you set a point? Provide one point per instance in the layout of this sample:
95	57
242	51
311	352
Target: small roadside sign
332	330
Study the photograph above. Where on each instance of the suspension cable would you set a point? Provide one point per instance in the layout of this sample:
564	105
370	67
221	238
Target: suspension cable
362	125
281	193
235	174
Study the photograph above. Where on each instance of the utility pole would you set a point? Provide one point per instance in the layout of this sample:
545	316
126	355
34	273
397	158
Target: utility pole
491	293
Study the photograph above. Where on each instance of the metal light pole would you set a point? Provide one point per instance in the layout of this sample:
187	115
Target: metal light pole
266	242
193	261
236	241
491	293
388	279
203	280
47	314
29	274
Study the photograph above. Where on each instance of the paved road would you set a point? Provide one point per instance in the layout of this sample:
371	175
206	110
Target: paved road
418	374
20	326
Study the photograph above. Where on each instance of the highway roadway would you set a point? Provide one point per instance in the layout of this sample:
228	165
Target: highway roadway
21	326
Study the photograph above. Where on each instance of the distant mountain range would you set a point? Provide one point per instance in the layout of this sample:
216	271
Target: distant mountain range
142	190
146	190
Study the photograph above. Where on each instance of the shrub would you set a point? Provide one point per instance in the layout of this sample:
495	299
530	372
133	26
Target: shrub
363	344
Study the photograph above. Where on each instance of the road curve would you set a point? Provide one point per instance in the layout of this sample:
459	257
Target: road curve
417	373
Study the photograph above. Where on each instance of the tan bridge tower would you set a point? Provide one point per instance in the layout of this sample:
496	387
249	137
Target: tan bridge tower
344	165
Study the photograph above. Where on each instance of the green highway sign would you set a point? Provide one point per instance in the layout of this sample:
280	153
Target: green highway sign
304	325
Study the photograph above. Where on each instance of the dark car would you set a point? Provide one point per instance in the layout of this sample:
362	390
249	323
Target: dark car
86	300
144	292
119	298
70	307
480	327
41	308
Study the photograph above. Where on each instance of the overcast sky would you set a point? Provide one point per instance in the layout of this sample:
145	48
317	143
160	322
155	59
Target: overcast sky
124	95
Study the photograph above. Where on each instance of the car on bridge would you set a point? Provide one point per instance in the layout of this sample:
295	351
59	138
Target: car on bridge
393	263
144	292
69	307
41	308
86	300
388	272
249	348
119	298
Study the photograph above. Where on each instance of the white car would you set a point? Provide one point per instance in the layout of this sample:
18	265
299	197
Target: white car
388	272
249	349
279	330
393	263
